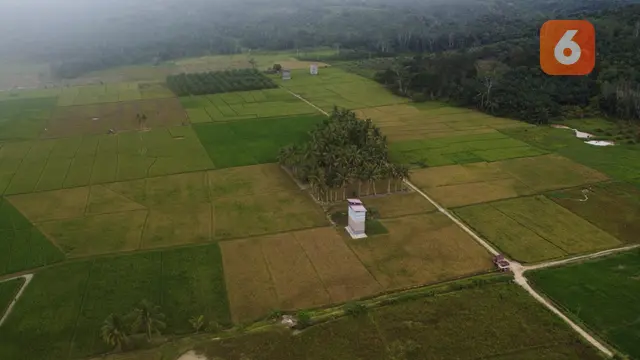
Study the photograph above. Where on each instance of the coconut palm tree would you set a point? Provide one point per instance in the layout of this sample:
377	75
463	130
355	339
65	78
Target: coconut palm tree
148	318
114	331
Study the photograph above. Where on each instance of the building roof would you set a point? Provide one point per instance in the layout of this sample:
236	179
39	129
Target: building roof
354	201
358	208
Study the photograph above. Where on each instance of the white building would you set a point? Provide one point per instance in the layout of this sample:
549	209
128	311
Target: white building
313	69
286	74
357	219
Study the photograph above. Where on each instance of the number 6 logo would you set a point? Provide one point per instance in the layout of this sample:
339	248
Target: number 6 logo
567	47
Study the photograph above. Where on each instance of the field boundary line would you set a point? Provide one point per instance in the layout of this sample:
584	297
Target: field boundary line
305	100
517	269
84	296
27	279
579	258
315	269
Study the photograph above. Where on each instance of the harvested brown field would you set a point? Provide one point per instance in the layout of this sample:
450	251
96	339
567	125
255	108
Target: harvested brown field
420	249
295	270
178	225
466	184
294	276
120	116
249	285
342	273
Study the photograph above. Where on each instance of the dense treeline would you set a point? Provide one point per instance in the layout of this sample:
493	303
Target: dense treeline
346	156
505	79
215	82
372	27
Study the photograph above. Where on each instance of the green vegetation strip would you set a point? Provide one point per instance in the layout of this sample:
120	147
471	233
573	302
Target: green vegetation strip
218	82
63	309
604	294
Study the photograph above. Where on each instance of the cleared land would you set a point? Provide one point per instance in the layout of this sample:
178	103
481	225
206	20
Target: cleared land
460	150
290	271
335	87
8	291
79	161
250	142
420	249
533	229
22	246
172	210
466	184
63	308
604	294
613	207
434	120
119	116
25	118
243	105
492	322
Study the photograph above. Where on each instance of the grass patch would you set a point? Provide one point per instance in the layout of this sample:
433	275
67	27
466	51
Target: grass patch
500	321
602	293
249	142
63	308
533	229
98	94
23	246
402	257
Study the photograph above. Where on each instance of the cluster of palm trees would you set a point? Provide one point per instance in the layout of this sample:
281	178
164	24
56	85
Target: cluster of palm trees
145	318
344	157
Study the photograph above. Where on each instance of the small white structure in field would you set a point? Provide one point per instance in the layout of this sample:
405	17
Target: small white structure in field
313	69
286	74
357	219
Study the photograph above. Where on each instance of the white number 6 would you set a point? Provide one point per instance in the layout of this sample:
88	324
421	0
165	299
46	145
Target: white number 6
566	42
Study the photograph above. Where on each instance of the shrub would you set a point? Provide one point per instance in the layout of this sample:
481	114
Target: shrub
355	309
304	319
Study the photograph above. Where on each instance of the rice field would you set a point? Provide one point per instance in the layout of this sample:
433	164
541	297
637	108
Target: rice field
263	61
493	322
256	141
422	123
190	208
243	105
25	118
80	161
461	149
336	87
301	269
613	207
62	310
466	184
532	229
8	290
603	294
420	249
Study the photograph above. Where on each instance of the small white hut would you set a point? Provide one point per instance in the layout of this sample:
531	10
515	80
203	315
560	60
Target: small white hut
286	74
357	219
313	69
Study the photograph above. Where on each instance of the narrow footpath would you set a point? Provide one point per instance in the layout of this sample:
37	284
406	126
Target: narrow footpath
517	269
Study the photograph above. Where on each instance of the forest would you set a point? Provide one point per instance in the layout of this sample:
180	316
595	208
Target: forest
345	156
215	82
505	78
376	27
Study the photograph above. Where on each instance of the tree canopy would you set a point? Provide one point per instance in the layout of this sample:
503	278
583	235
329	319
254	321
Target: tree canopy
344	152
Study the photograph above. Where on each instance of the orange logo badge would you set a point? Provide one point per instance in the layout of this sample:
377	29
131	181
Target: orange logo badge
567	47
